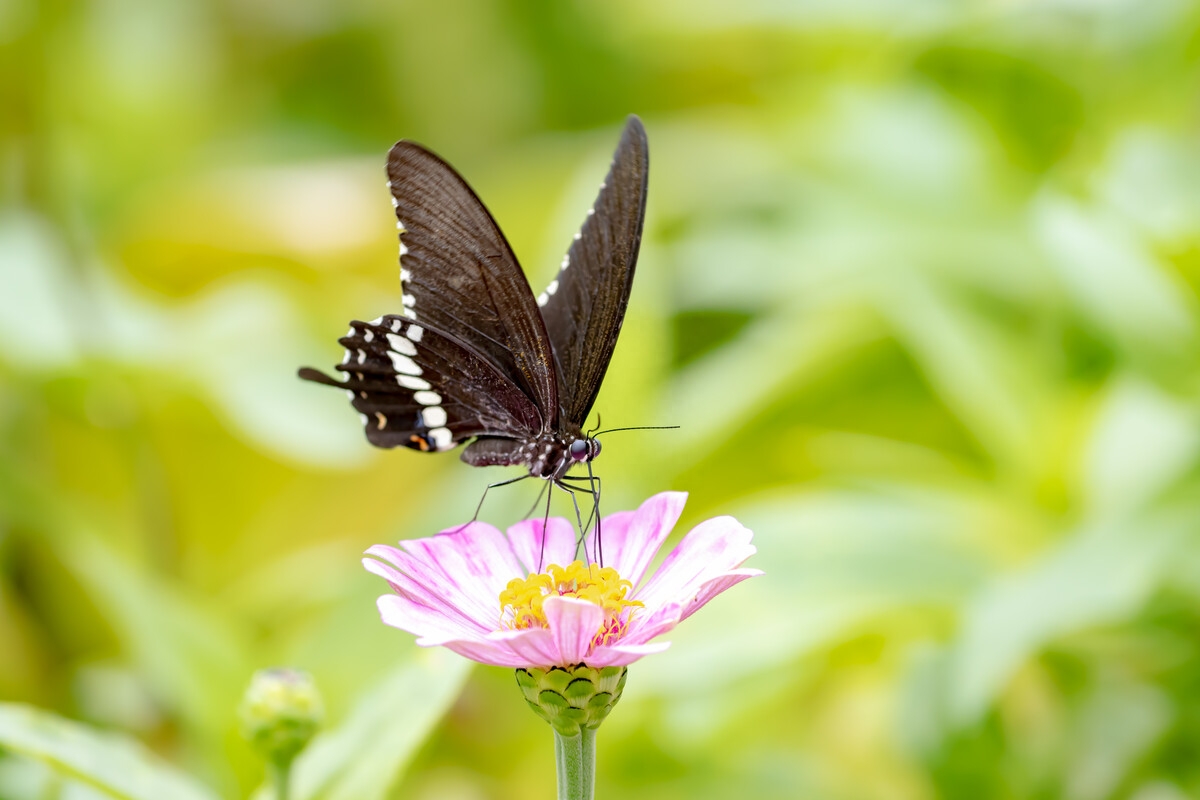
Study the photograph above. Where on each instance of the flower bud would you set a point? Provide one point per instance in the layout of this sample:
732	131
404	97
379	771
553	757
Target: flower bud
572	698
280	712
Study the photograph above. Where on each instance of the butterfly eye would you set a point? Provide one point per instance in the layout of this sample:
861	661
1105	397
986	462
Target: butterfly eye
579	449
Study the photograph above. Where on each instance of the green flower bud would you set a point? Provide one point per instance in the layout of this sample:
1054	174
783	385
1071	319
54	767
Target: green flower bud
280	712
572	698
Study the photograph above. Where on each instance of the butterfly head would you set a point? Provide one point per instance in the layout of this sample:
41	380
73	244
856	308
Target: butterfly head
584	449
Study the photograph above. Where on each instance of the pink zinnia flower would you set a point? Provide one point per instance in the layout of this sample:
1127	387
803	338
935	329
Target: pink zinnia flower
475	590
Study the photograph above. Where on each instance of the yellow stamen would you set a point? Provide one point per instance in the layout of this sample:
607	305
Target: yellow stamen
521	601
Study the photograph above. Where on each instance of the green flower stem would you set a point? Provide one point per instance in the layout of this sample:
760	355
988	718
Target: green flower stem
576	760
574	700
281	774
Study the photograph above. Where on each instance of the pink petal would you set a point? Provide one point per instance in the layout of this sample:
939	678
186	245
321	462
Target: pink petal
498	655
526	541
443	602
501	648
475	561
573	623
630	539
714	587
645	624
623	654
431	625
713	548
406	575
535	647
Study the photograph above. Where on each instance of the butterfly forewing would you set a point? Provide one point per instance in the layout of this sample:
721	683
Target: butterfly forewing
475	355
419	388
459	274
584	305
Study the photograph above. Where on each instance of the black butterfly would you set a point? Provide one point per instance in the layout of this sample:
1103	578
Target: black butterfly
475	355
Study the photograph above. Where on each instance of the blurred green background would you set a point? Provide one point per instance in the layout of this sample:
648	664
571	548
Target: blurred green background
919	284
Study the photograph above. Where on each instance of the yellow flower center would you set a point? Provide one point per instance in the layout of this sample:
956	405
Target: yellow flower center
521	601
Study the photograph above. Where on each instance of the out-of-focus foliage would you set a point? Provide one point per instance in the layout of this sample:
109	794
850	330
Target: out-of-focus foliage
919	283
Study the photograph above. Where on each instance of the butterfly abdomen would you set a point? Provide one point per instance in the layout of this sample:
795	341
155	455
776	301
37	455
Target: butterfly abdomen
548	456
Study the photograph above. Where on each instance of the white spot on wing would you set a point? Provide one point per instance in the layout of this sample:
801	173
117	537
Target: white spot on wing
578	236
364	419
553	287
403	364
369	336
397	325
415	333
350	394
434	416
591	211
409	382
401	345
543	298
405	275
377	321
362	356
427	398
409	301
566	262
441	438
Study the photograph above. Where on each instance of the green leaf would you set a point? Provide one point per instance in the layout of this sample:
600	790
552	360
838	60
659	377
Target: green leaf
1101	575
368	752
189	655
113	763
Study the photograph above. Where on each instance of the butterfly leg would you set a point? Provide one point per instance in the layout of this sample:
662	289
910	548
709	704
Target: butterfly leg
596	510
580	544
487	489
545	526
593	488
537	502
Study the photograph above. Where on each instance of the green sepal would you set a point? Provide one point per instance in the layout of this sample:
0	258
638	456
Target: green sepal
572	698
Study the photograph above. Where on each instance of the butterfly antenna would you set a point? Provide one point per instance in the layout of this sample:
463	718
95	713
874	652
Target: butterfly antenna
638	428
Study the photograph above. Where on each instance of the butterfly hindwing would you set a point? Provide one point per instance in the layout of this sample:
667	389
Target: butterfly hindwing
416	387
584	306
459	274
475	356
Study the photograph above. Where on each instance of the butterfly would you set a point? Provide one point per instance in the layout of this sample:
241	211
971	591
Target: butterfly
474	356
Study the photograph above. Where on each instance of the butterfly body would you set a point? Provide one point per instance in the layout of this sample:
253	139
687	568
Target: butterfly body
547	456
475	357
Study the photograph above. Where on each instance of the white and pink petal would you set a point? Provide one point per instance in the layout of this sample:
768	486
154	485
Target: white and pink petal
714	587
574	623
475	562
535	555
632	538
711	549
624	654
447	587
